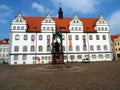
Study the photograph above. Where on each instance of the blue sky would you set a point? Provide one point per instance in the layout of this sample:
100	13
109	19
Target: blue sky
110	9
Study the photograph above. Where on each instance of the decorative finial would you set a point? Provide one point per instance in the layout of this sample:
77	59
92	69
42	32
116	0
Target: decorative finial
60	4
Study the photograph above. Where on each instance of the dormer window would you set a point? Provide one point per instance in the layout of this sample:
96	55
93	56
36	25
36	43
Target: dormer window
14	27
18	27
62	28
34	28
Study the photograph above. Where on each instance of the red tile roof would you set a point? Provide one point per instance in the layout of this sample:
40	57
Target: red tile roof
114	37
34	24
89	24
5	41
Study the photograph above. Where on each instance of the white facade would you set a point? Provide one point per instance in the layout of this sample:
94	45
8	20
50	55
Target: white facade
4	48
32	47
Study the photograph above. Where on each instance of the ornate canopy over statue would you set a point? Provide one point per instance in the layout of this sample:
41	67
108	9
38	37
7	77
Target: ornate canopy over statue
57	51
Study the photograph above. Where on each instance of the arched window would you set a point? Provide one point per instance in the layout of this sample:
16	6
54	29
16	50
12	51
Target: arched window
24	48
70	48
63	48
48	37
40	48
32	48
77	48
48	48
76	37
104	37
105	47
107	56
93	56
16	48
100	56
91	47
25	37
33	37
17	37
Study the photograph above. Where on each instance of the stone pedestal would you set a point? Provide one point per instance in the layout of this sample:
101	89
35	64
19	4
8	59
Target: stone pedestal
57	58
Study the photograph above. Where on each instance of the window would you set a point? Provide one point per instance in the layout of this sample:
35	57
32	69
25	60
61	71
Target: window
72	28
63	37
33	37
14	27
90	37
107	56
25	37
93	56
105	47
18	28
24	48
48	48
77	37
24	57
77	48
15	57
72	57
70	48
22	27
79	28
32	48
16	48
48	37
104	37
102	28
17	37
79	56
40	37
105	28
47	28
70	37
84	48
98	47
83	37
98	28
97	37
63	48
44	28
52	28
91	47
75	28
40	48
100	56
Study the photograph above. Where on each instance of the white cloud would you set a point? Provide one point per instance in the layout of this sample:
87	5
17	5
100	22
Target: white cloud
114	20
4	7
39	7
3	21
5	11
83	6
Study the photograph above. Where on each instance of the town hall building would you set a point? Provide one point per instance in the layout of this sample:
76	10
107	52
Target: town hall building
31	39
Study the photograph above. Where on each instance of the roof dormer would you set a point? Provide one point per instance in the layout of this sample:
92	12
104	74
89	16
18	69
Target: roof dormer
19	19
48	19
102	25
75	24
101	21
48	24
76	20
18	23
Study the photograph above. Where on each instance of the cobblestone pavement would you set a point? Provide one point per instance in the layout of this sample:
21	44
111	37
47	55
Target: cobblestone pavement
90	76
